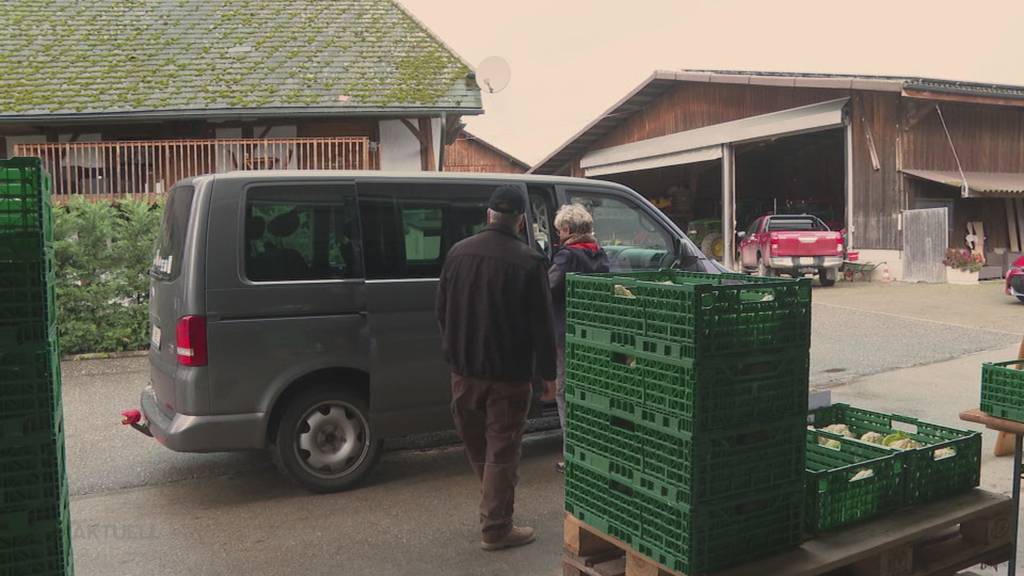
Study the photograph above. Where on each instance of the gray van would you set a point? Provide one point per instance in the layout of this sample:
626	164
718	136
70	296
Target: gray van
294	310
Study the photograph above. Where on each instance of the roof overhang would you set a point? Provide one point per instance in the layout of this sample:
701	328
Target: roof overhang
701	144
978	184
647	92
231	114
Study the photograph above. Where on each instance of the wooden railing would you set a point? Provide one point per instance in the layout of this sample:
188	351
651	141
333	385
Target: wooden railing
149	167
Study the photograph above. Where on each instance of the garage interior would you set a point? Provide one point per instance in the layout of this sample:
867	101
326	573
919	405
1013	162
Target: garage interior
804	173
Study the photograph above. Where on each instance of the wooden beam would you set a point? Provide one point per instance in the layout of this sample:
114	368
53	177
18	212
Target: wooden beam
871	145
412	128
427	159
964	98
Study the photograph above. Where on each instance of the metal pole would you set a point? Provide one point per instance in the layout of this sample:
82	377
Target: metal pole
1017	449
728	206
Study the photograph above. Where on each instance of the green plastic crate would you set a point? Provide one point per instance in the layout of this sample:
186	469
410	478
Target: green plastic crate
601	502
25	197
610	369
1002	389
32	473
27	291
724	465
681	467
608	435
930	473
713	313
34	538
711	537
714	393
839	491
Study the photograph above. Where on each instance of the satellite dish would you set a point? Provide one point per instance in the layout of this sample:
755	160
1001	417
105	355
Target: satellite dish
493	74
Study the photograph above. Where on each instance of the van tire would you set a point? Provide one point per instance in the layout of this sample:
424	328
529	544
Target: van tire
343	423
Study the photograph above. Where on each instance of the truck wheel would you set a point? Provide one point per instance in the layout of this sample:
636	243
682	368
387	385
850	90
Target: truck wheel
1021	299
324	441
713	246
827	277
763	270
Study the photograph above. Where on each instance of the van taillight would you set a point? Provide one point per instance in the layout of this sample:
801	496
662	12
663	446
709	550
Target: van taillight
190	344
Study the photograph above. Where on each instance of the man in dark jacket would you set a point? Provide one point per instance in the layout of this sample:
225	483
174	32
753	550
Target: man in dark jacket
494	307
580	253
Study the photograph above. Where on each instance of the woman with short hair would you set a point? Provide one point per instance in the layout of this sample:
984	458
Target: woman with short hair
581	253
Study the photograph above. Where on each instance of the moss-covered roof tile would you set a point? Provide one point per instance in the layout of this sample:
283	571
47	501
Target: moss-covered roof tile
108	56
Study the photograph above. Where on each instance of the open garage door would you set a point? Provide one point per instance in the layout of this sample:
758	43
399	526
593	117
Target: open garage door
711	179
803	174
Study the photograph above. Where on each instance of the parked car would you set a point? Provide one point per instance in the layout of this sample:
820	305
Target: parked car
295	310
1015	279
795	244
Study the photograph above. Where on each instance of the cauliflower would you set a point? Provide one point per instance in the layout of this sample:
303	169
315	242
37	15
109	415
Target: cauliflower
841	429
829	443
905	444
941	453
623	292
863	474
872	437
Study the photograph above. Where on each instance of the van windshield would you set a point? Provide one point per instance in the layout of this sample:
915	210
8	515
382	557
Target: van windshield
170	244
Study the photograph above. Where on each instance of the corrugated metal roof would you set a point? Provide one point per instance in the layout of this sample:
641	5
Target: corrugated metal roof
662	81
870	82
115	57
978	183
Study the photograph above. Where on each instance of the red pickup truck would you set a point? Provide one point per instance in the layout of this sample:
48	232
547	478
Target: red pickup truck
794	244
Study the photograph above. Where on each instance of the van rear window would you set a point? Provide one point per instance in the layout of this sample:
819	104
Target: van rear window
170	244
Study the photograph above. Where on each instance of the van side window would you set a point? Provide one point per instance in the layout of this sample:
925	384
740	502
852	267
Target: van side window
292	233
632	239
409	227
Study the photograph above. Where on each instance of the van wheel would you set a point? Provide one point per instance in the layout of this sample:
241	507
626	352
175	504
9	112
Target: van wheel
324	441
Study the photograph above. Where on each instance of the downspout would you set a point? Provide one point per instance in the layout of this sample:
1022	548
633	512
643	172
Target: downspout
964	188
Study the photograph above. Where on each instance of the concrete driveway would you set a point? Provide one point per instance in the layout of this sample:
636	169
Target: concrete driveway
137	507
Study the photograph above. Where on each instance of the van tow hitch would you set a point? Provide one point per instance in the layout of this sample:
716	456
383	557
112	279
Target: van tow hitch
133	418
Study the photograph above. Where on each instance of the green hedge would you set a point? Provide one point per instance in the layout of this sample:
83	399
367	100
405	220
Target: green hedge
103	252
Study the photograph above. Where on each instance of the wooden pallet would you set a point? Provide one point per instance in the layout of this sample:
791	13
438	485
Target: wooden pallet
590	552
933	540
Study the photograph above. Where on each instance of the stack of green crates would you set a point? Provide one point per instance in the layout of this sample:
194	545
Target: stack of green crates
687	407
34	524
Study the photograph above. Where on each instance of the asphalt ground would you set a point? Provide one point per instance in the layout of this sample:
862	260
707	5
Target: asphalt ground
138	507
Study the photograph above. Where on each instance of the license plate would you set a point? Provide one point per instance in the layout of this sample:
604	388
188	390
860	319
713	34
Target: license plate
807	261
154	339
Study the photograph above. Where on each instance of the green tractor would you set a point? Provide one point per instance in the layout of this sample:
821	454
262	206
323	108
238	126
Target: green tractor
707	235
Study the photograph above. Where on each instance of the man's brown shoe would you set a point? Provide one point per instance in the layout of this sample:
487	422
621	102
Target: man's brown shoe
519	536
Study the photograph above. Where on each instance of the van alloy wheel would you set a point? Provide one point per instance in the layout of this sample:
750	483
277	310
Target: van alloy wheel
331	439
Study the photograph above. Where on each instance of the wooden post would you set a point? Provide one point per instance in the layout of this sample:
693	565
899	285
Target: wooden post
1005	442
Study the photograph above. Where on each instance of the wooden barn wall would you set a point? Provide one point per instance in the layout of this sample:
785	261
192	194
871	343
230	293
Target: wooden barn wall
987	138
467	155
878	196
695	105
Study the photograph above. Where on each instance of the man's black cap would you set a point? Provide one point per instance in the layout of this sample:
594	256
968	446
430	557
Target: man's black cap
507	200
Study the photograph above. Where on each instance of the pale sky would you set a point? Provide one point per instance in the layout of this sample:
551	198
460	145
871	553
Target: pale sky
572	59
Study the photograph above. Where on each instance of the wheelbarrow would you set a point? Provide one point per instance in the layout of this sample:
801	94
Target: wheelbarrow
865	269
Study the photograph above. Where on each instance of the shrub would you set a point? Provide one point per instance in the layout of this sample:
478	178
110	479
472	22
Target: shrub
963	259
103	251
